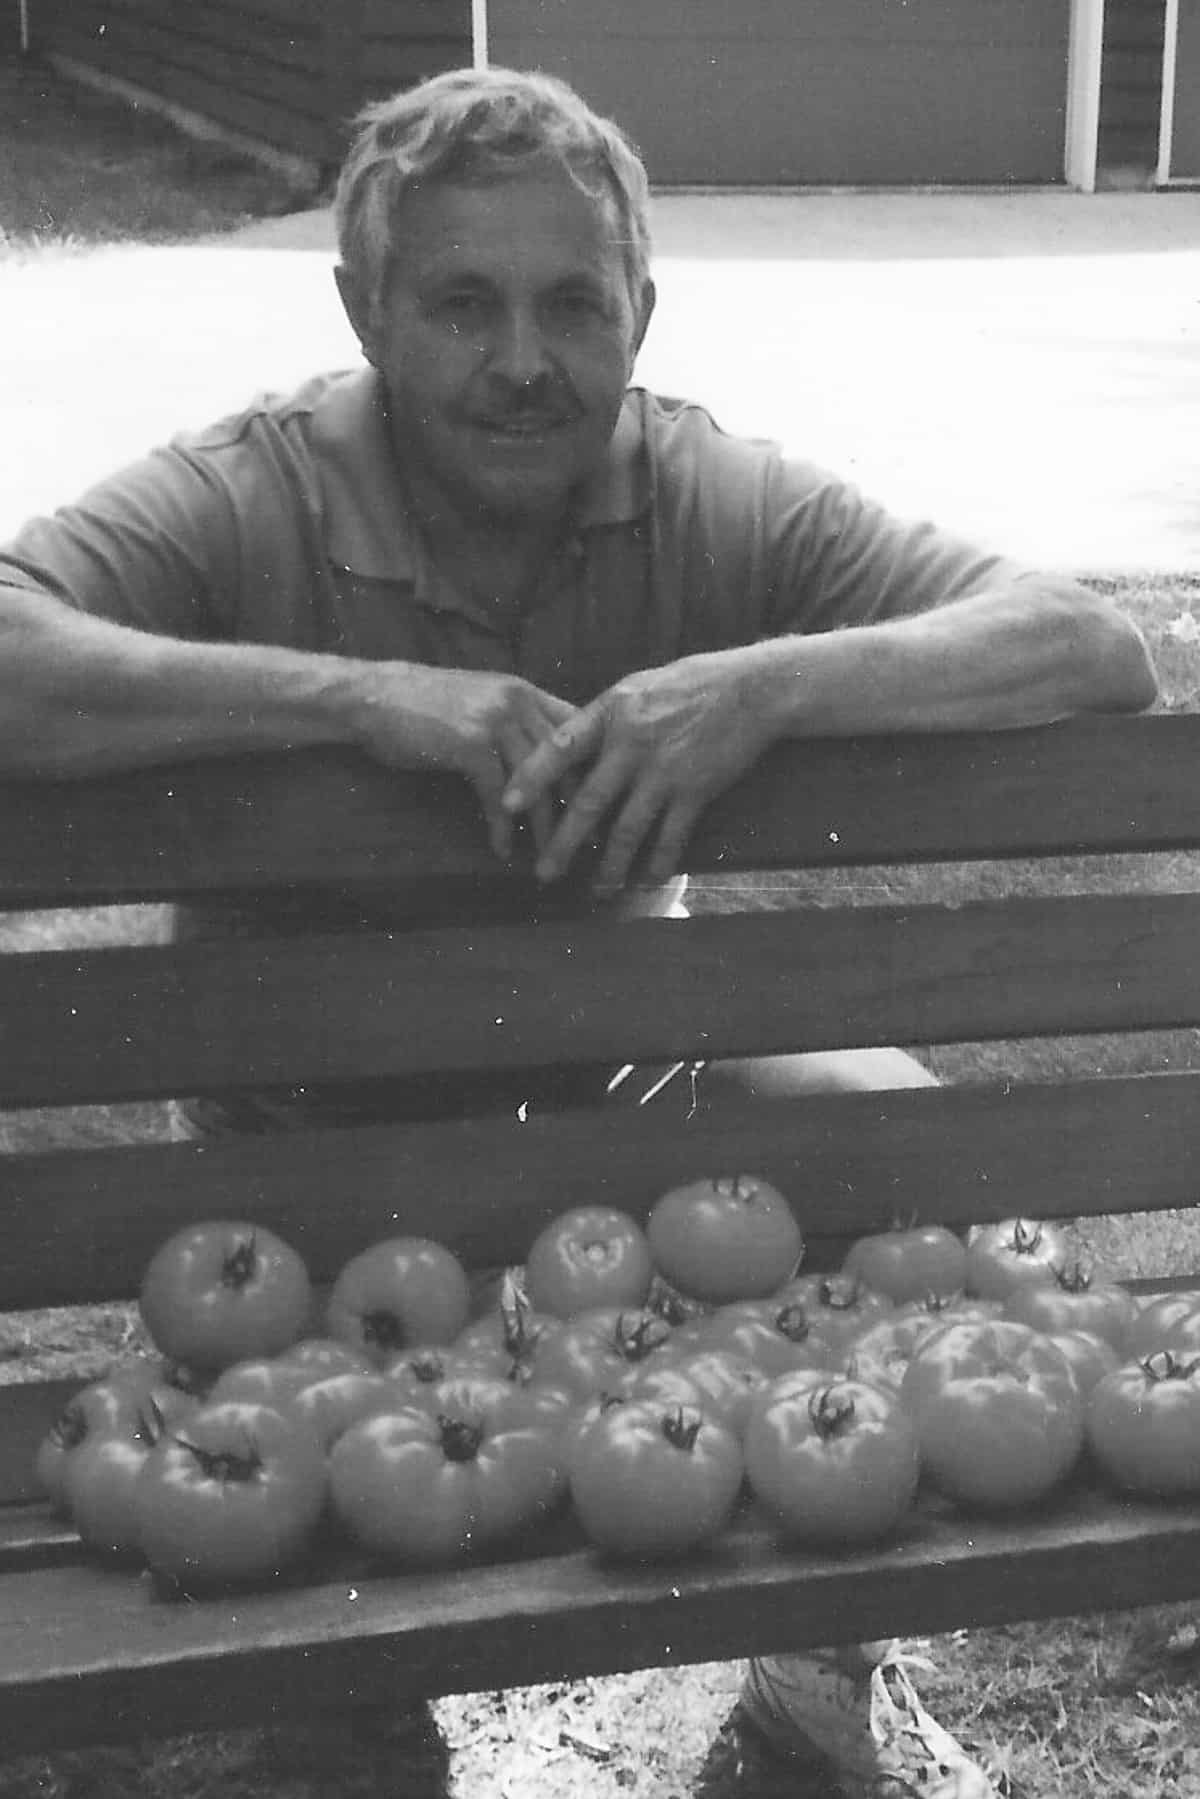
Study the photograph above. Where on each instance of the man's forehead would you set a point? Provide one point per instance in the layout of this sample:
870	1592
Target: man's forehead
539	214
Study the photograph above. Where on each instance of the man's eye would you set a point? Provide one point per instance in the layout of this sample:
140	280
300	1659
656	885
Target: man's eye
461	309
576	308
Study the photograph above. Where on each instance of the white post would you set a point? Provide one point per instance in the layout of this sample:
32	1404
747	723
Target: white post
24	27
1166	117
479	34
1085	48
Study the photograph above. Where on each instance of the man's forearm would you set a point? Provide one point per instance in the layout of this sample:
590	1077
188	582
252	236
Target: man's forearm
80	695
1025	656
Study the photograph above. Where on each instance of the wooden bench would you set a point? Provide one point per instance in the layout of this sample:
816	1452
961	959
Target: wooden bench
88	1652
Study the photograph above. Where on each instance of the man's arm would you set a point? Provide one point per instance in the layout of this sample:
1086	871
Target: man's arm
81	695
664	742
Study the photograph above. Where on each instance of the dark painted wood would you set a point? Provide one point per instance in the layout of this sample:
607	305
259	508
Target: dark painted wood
331	819
87	1652
197	1018
81	1225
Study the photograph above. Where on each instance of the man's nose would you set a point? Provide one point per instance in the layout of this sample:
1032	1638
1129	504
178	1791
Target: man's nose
519	349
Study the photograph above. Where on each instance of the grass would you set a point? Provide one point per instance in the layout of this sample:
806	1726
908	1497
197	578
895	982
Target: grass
79	168
1105	1705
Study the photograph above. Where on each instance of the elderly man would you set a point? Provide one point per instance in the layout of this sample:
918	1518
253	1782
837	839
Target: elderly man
487	552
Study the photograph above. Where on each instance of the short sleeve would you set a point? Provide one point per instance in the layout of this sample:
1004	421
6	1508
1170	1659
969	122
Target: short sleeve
837	558
155	547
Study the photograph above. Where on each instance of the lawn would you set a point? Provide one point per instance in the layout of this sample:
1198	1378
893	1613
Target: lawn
1106	1705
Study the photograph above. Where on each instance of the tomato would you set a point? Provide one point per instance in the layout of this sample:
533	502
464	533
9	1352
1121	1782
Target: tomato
1072	1299
113	1405
100	1480
1171	1321
881	1353
734	1237
595	1352
775	1335
721	1385
589	1257
834	1460
909	1261
330	1406
1143	1426
651	1481
223	1292
839	1306
459	1476
1006	1255
1090	1356
233	1496
403	1291
264	1380
998	1411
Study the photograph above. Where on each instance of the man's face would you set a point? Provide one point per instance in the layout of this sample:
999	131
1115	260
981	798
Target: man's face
505	339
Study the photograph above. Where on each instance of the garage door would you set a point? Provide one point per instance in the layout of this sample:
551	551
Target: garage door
759	92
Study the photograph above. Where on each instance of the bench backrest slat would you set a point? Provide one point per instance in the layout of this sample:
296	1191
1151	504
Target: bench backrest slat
324	818
198	1018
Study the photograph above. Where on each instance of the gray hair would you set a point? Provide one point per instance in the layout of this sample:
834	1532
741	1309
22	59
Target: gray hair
482	124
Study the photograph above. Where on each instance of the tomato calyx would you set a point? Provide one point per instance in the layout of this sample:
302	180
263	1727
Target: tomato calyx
793	1322
460	1437
1026	1237
515	1317
1168	1364
70	1427
840	1292
241	1264
229	1467
681	1426
831	1412
1075	1278
384	1331
637	1334
670	1304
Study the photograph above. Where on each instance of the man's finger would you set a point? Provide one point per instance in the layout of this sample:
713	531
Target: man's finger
580	822
634	821
487	776
570	744
518	743
671	842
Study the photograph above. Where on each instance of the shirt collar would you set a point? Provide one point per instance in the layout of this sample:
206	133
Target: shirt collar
366	529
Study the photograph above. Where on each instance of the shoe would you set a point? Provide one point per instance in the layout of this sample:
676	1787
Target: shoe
852	1716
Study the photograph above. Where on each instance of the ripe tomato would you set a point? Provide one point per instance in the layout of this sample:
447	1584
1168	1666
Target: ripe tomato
1090	1357
1143	1426
1171	1321
733	1237
718	1383
319	1356
998	1412
774	1334
113	1405
839	1306
223	1292
834	1460
881	1353
233	1496
403	1291
909	1261
459	1476
1006	1255
100	1479
595	1352
1072	1299
650	1481
330	1406
591	1256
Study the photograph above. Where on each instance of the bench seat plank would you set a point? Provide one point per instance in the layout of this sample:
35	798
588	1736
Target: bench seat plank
196	1018
88	1652
80	1226
326	818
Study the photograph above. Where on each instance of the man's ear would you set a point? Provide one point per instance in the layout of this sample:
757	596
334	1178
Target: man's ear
645	313
359	309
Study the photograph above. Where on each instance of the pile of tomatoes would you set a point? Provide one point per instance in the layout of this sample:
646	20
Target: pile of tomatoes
648	1379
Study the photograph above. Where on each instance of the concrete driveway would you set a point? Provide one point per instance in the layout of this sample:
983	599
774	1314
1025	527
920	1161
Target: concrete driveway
1023	367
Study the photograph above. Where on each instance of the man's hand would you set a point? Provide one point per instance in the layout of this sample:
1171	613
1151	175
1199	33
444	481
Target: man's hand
481	725
661	744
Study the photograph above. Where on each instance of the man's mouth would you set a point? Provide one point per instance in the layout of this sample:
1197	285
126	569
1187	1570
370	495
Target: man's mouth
522	425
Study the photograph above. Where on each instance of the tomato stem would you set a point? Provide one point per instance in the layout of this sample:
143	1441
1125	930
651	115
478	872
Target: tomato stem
460	1438
831	1411
240	1264
681	1427
224	1464
384	1329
